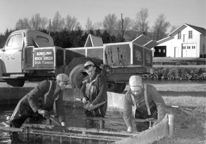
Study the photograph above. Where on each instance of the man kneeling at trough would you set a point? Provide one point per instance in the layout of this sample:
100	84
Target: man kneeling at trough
47	95
142	101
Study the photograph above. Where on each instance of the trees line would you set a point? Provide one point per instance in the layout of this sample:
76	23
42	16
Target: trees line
68	39
126	27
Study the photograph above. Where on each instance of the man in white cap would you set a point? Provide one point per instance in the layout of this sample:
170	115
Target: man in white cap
94	90
47	95
142	101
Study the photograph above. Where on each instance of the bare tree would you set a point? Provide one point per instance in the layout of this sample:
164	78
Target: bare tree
123	25
35	22
140	23
110	23
160	27
89	25
71	23
97	25
44	23
22	24
173	28
57	23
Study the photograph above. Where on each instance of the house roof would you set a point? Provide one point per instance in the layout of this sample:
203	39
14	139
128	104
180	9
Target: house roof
150	44
145	41
141	40
93	41
199	29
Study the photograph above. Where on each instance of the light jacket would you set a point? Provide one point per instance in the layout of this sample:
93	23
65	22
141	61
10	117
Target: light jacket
154	100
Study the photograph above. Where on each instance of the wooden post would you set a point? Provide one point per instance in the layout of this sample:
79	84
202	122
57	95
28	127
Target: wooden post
171	124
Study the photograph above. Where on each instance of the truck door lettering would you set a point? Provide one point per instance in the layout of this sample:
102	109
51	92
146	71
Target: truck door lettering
48	58
37	62
38	58
9	56
43	53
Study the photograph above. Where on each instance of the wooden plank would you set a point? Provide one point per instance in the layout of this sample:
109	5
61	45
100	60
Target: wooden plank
113	118
10	129
79	129
74	135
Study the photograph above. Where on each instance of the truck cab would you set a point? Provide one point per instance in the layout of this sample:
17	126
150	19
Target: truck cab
16	55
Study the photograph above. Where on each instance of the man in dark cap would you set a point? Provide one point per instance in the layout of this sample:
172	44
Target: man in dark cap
94	90
142	101
47	95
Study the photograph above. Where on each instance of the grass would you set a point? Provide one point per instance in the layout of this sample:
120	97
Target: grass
181	87
185	101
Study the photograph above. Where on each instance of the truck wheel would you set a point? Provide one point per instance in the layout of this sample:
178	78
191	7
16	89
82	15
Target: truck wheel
116	87
15	82
76	75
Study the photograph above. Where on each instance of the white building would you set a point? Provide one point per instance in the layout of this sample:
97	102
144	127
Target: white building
186	41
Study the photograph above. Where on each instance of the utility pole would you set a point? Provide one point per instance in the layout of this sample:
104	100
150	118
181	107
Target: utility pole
122	26
49	26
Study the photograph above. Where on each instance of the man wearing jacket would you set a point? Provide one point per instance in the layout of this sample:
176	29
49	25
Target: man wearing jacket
94	90
47	95
142	101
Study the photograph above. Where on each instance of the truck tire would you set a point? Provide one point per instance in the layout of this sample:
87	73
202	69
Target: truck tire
76	75
75	70
15	82
116	87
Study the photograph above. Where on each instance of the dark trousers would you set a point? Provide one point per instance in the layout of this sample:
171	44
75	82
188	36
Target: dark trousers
141	126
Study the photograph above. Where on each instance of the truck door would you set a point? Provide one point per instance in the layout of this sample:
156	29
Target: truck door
12	53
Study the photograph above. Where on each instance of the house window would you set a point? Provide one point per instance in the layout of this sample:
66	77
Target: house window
159	50
179	35
163	50
193	47
184	47
190	35
188	47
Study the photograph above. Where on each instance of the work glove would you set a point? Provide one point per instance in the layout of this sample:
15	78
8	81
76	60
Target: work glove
63	124
44	113
84	100
88	106
129	129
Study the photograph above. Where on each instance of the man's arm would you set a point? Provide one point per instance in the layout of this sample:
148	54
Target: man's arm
158	100
60	112
37	92
102	95
127	112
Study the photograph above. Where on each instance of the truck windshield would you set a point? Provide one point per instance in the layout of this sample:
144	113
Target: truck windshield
14	41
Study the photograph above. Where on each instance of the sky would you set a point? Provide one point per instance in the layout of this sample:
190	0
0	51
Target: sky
177	12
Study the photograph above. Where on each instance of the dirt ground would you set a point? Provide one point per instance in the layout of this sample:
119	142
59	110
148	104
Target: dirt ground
189	126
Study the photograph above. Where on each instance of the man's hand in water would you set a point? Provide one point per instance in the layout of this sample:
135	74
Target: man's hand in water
88	106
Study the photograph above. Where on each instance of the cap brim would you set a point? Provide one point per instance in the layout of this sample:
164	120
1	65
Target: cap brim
134	88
